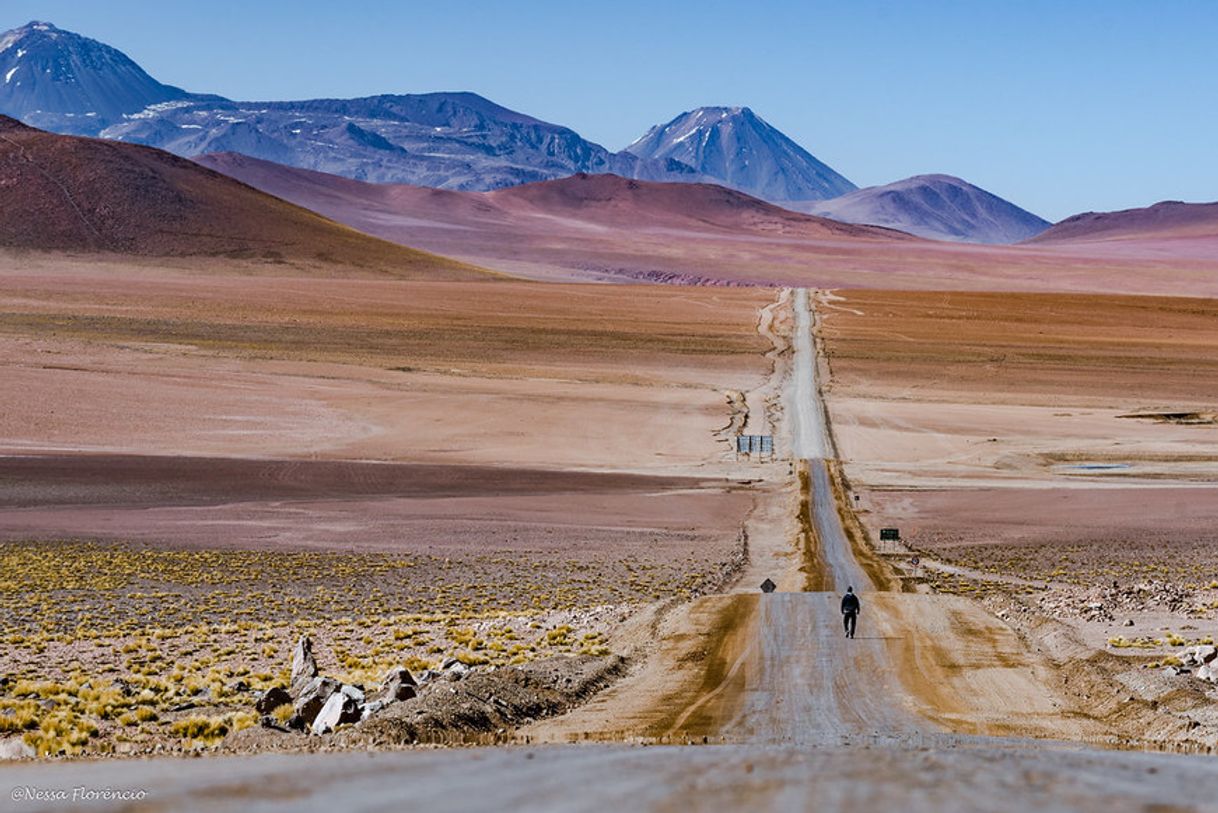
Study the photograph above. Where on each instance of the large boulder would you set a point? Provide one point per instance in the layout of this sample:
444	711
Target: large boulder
398	684
1199	655
304	665
312	698
455	670
339	709
272	699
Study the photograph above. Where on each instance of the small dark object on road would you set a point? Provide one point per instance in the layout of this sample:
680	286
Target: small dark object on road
850	611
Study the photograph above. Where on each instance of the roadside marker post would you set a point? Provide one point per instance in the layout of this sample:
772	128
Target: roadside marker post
768	586
755	445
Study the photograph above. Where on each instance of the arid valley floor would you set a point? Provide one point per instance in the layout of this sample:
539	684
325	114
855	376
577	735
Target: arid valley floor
529	491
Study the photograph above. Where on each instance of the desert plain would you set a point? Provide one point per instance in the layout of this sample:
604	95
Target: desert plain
200	467
492	472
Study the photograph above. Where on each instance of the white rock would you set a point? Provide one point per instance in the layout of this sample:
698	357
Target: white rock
314	697
338	709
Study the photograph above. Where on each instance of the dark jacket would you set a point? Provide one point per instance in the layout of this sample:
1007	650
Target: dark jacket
850	603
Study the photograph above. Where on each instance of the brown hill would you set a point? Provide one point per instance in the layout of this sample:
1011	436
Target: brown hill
621	201
64	193
610	229
597	200
1168	219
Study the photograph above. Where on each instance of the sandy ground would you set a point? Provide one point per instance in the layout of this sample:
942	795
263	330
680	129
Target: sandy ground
486	469
519	375
924	702
1055	455
933	391
775	669
590	778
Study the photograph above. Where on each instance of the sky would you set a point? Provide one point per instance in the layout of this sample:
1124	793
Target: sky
1060	107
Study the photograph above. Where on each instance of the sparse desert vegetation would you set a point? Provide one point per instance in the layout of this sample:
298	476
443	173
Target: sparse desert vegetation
131	647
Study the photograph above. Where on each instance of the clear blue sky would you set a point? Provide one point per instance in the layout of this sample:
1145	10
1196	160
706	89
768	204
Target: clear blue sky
1060	106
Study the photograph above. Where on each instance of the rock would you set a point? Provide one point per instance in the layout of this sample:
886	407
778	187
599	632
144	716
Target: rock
354	692
1199	655
427	676
272	699
448	663
313	697
267	721
1129	622
338	709
1208	672
15	748
304	665
398	684
370	708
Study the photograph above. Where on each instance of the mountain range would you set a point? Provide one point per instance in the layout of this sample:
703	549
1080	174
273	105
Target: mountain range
101	199
68	83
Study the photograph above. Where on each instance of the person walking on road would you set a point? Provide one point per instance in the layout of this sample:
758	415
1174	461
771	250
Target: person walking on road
850	611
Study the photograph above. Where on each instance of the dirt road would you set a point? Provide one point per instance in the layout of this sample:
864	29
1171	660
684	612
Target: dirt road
795	715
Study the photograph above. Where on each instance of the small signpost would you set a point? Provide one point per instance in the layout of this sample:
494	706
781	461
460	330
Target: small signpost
890	535
755	446
768	586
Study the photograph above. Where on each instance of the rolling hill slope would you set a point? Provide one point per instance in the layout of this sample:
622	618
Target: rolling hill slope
69	193
938	207
1164	220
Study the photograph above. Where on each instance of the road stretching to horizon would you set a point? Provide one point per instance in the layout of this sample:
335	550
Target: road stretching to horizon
820	722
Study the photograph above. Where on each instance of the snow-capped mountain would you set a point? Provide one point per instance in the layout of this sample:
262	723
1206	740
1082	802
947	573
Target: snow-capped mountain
444	140
736	147
68	83
940	207
57	80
